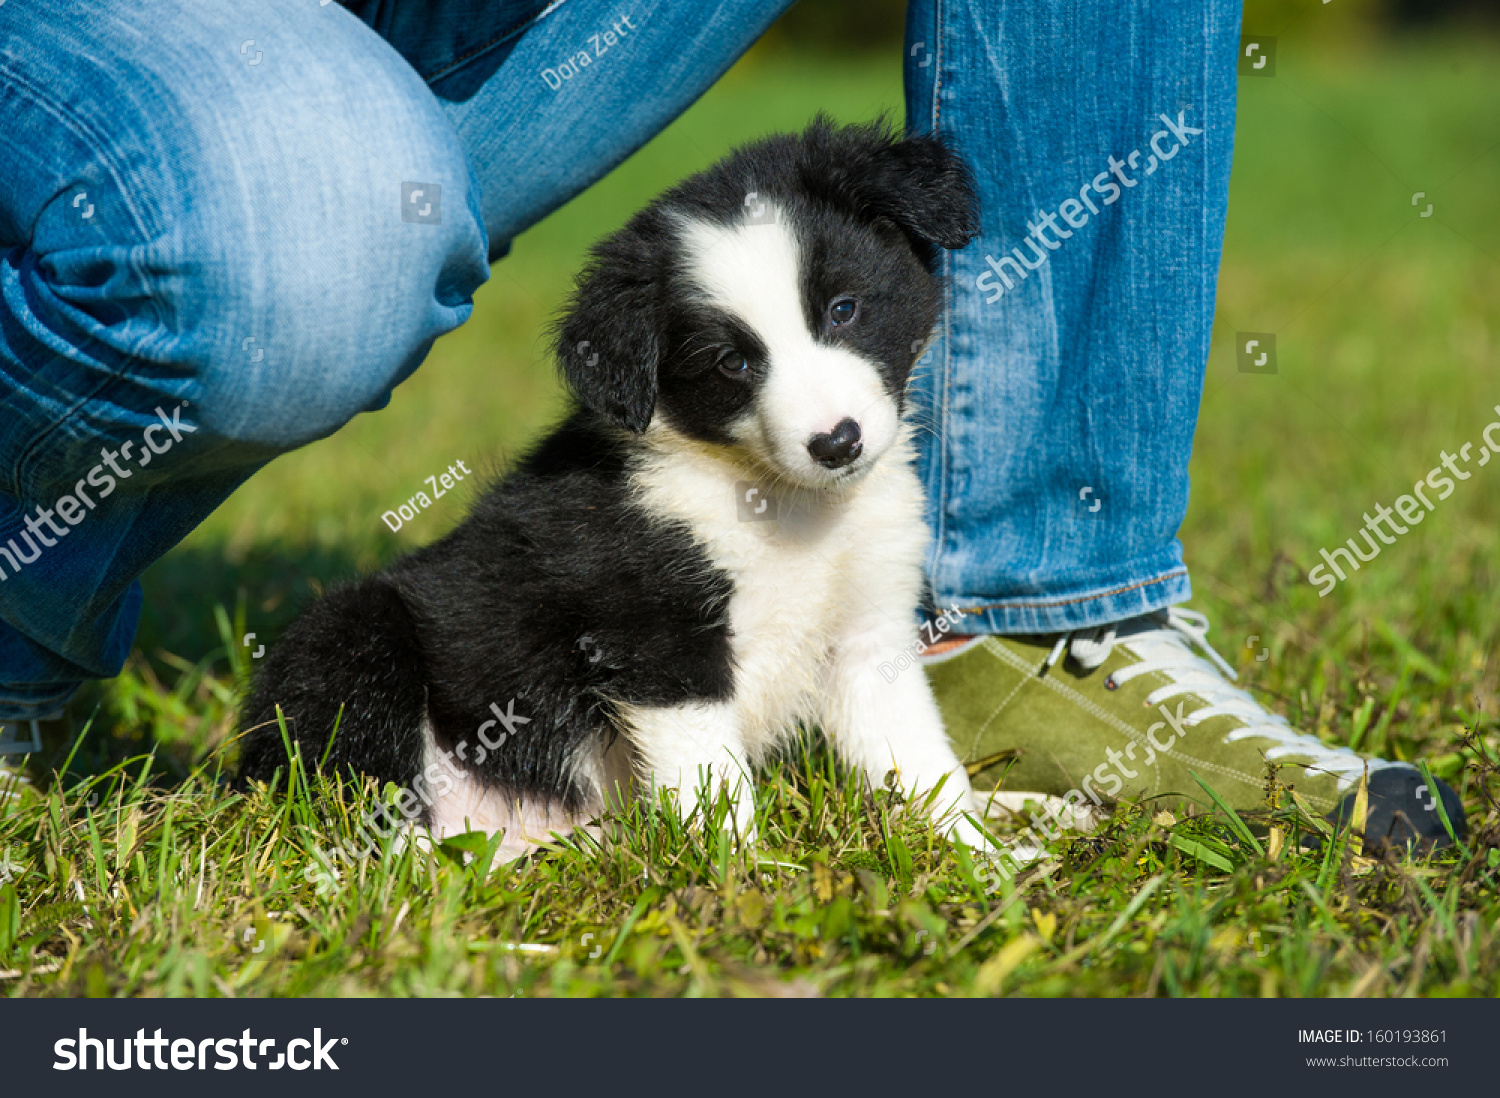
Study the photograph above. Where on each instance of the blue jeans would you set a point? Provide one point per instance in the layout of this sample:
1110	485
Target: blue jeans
1064	395
227	228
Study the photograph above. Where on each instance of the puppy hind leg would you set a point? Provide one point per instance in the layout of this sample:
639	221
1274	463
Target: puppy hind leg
460	800
527	821
353	660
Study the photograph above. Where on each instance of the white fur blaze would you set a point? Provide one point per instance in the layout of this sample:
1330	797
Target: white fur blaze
753	271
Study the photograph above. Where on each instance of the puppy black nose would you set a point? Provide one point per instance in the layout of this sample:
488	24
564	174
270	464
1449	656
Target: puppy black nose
837	448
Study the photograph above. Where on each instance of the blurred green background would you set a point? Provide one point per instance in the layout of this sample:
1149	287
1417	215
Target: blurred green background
1387	333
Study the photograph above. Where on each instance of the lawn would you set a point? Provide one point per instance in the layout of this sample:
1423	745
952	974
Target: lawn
139	873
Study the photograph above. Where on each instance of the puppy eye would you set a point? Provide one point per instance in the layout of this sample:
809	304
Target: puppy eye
843	311
733	365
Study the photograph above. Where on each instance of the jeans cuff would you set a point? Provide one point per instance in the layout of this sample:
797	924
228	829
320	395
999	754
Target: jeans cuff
35	703
1063	612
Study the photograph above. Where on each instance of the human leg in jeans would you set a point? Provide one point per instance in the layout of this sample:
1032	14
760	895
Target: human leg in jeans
212	248
1062	401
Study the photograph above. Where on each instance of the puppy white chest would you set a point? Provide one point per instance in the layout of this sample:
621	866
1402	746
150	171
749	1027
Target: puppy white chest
803	564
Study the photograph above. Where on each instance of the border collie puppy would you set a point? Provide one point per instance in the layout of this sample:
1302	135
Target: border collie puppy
724	540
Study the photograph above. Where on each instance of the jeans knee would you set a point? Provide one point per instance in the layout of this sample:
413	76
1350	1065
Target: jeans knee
321	321
357	253
306	224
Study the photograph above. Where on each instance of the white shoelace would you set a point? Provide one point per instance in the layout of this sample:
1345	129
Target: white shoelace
1169	649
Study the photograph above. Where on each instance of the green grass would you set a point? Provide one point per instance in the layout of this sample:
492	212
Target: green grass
137	873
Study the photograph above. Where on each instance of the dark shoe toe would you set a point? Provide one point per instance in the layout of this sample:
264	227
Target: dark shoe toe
1402	811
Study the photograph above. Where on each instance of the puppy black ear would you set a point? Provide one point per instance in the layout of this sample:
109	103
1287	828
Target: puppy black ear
918	183
607	340
925	188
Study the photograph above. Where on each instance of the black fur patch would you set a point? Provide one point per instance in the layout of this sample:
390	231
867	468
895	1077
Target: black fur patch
557	593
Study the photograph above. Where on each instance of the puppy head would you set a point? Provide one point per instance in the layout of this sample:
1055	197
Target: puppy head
777	302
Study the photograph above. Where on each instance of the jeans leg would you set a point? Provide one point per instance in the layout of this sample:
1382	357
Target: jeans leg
548	97
1063	397
208	256
274	219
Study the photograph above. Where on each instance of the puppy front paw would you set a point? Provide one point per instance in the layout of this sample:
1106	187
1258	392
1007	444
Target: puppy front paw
696	806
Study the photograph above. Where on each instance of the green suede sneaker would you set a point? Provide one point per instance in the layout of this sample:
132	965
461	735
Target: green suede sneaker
1132	711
